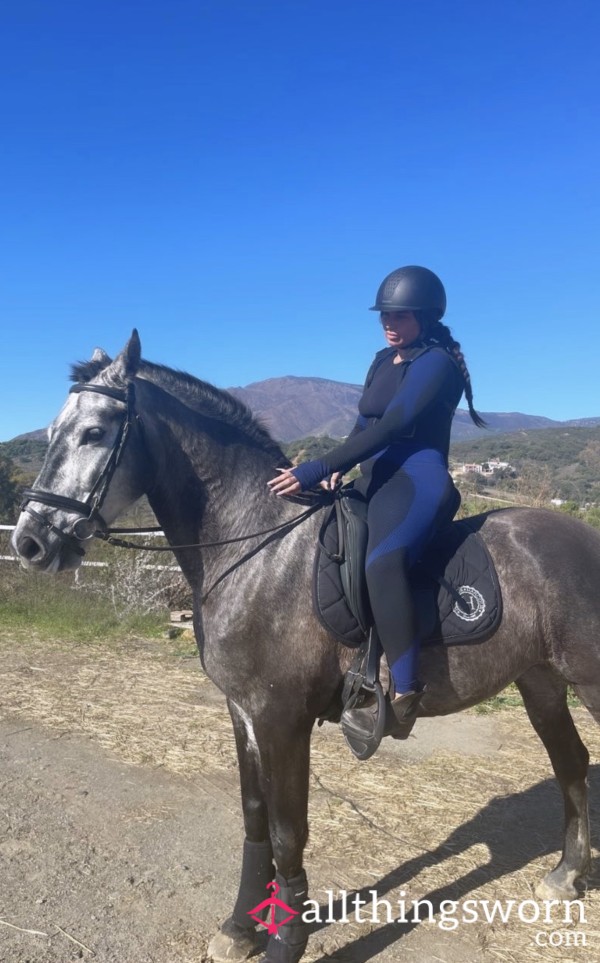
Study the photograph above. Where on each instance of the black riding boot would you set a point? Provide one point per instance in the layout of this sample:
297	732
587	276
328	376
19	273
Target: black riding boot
404	707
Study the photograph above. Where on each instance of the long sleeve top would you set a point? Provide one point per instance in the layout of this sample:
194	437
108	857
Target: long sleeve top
404	408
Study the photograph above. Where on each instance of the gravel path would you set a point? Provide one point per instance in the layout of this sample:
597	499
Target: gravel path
116	853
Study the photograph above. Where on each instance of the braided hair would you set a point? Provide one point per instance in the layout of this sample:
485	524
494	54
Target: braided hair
438	333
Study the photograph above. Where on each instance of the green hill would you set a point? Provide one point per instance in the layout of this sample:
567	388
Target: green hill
566	460
26	453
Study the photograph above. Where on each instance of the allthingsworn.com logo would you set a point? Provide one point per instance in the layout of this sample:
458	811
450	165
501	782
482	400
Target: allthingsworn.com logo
345	907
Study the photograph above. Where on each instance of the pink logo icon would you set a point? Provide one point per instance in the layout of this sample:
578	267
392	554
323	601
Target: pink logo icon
272	903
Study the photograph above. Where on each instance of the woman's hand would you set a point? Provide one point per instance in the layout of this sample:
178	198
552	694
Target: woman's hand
285	483
330	484
299	479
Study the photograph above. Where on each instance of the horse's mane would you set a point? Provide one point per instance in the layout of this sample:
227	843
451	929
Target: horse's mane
199	396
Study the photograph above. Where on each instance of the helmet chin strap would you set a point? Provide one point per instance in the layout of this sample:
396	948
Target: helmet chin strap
424	325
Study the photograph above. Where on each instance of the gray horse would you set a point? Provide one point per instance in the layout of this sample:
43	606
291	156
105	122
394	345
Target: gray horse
130	427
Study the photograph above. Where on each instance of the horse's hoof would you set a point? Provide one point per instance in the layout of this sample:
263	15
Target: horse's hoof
550	888
232	944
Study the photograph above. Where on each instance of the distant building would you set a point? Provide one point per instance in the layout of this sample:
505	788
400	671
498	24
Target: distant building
495	465
483	468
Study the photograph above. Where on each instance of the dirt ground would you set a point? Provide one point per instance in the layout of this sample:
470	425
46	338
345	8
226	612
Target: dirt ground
120	825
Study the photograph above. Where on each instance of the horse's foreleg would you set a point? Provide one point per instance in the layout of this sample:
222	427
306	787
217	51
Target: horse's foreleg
285	753
545	697
237	938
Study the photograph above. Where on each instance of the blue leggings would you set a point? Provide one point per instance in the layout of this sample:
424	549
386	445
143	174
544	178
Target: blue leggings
408	503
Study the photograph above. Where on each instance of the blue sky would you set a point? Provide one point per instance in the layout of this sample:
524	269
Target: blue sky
236	178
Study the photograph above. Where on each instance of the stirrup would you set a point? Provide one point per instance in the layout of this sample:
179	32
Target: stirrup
363	728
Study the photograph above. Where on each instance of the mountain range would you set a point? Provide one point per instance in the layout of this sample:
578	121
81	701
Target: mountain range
293	407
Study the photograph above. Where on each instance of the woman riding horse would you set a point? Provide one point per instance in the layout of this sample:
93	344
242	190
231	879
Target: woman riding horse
401	439
130	427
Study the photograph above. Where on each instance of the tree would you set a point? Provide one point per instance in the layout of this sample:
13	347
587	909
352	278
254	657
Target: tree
307	449
9	490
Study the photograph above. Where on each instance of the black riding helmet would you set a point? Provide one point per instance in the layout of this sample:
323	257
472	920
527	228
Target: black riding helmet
412	289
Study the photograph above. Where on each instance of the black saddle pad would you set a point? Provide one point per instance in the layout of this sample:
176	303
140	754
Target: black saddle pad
455	586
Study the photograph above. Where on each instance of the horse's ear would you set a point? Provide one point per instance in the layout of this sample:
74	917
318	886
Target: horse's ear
126	364
85	371
100	357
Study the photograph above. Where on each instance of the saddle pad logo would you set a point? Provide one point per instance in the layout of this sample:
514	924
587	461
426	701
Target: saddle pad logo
475	602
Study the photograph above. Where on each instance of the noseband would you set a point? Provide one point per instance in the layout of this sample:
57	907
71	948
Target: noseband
89	510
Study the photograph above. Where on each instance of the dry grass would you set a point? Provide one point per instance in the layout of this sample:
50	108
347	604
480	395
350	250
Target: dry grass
451	827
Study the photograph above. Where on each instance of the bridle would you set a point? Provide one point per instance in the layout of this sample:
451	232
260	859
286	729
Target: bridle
89	510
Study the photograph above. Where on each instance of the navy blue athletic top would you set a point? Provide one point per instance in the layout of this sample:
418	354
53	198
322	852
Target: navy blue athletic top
405	408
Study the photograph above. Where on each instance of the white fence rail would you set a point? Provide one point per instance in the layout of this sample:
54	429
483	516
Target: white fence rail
155	568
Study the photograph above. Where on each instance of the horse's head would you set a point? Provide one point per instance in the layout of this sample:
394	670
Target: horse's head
90	473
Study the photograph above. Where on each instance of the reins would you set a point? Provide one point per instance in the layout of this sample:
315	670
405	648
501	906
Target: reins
107	536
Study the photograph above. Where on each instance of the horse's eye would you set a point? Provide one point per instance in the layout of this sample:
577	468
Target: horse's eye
91	435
